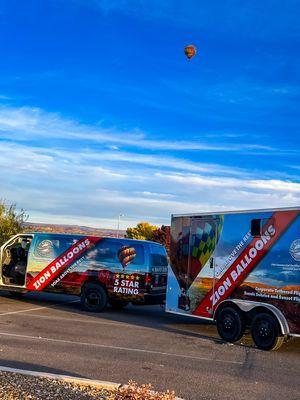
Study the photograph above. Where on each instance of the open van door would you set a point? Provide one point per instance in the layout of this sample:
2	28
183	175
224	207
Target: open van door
14	261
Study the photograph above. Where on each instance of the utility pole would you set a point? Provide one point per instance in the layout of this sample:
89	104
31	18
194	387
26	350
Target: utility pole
119	219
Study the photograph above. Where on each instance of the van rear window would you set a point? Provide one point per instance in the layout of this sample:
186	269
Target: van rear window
158	256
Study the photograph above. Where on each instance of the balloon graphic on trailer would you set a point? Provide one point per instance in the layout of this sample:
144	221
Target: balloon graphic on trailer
194	245
205	235
190	51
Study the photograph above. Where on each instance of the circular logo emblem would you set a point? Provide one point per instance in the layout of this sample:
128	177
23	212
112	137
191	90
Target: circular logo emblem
45	248
295	250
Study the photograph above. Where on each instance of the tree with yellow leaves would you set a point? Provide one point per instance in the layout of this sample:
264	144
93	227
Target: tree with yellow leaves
143	231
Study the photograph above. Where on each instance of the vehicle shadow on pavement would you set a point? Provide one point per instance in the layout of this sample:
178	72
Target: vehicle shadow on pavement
153	317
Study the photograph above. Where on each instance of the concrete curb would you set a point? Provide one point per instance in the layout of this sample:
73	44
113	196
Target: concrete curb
66	378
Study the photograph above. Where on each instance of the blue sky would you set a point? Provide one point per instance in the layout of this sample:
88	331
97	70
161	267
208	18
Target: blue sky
101	113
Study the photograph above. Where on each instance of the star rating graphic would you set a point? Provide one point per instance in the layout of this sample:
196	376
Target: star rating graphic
127	276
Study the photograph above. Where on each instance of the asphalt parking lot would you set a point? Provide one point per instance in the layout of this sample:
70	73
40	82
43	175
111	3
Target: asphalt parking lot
50	333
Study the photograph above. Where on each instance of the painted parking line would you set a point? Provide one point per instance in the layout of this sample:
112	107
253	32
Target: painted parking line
128	349
36	308
89	321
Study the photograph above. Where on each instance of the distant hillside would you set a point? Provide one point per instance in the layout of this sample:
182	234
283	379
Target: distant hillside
73	229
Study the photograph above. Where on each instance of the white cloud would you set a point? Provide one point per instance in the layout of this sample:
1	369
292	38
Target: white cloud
225	182
33	123
92	185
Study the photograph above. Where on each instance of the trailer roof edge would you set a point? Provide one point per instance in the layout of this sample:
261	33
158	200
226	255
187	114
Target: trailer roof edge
297	208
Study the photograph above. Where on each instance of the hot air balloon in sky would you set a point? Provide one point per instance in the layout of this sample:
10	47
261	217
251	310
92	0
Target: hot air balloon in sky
190	51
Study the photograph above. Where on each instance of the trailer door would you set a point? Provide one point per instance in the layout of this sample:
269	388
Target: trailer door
204	236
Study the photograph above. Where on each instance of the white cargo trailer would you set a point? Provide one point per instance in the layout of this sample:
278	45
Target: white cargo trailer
240	269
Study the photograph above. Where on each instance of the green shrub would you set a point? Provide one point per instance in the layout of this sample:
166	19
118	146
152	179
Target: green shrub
11	221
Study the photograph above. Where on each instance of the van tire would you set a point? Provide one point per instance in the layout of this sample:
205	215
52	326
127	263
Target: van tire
118	304
93	298
265	332
230	324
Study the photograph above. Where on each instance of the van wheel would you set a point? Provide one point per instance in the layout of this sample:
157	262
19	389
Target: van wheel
230	324
93	298
118	304
265	332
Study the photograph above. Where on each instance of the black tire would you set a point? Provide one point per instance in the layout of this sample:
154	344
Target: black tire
230	324
93	298
265	332
118	304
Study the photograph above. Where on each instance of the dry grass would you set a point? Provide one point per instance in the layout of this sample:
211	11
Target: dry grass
132	391
15	386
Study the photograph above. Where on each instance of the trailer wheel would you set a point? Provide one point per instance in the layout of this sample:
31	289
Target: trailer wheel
118	304
93	298
230	324
265	332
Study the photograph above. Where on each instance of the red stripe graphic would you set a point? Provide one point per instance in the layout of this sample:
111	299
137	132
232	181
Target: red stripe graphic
246	261
62	262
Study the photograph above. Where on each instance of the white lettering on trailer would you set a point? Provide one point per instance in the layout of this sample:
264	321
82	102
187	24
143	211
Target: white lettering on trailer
271	230
234	253
243	265
220	291
259	245
253	252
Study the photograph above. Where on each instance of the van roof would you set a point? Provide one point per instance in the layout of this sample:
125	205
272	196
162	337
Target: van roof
46	234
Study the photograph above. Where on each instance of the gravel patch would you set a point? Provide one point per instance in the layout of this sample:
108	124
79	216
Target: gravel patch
15	386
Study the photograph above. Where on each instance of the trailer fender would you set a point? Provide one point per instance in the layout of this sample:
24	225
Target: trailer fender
247	306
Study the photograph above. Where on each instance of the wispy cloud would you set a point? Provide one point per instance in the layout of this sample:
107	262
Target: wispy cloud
25	123
3	97
92	186
232	183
